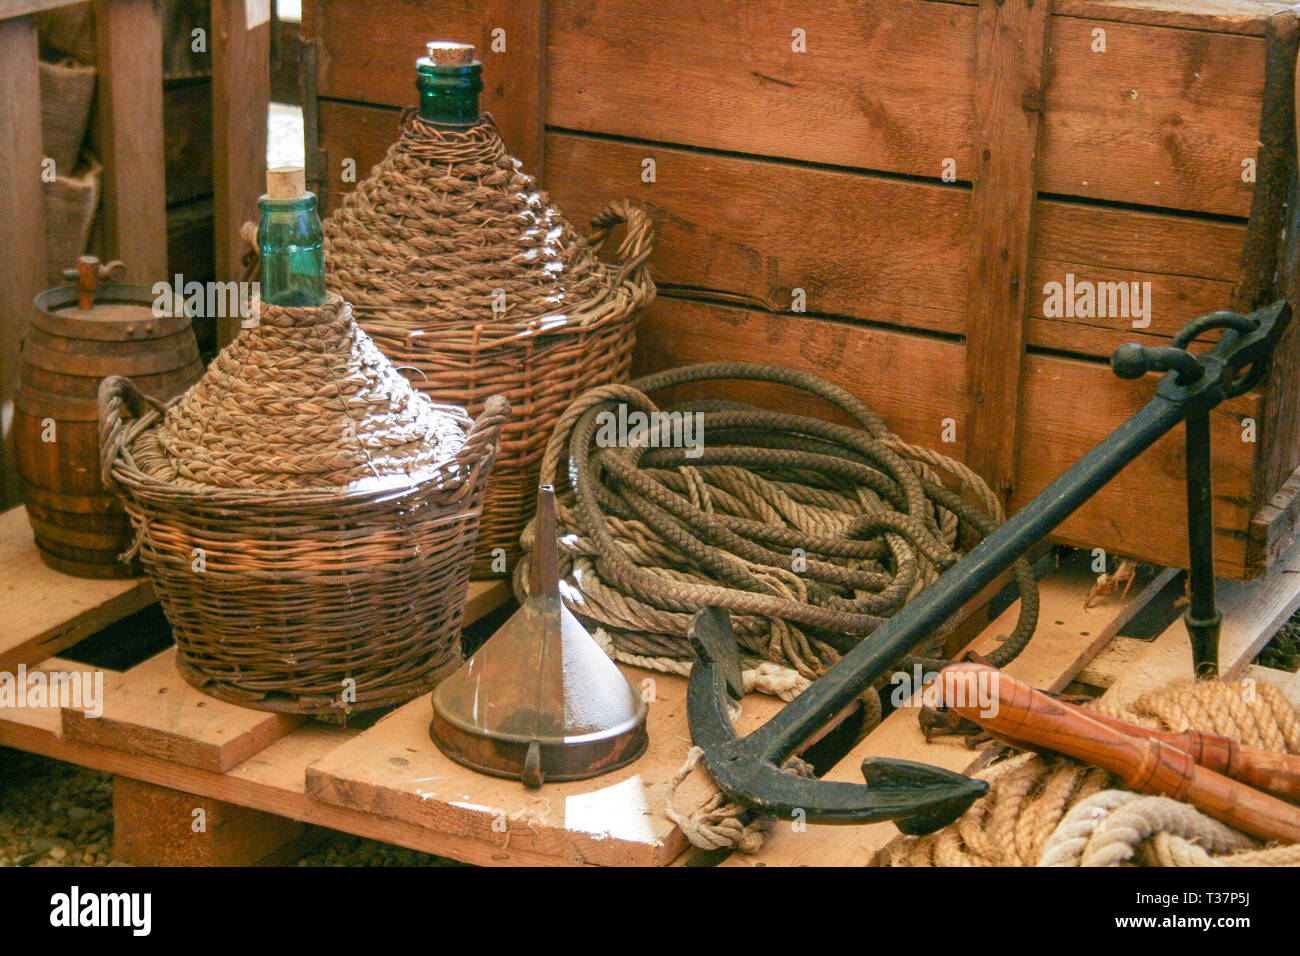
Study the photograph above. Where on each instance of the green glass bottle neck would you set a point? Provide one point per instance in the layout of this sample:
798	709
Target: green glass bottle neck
291	244
449	94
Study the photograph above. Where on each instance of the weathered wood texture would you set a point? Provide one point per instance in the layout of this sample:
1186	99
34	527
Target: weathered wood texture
1011	45
729	226
151	710
916	382
241	92
187	123
44	611
158	826
22	214
886	84
613	820
821	158
360	59
726	77
130	96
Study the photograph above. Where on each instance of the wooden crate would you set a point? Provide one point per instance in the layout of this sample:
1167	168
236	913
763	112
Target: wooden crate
920	172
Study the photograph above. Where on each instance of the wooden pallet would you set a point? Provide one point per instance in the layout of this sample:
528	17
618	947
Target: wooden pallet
254	780
45	612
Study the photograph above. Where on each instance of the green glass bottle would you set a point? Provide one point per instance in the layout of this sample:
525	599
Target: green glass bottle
449	80
290	241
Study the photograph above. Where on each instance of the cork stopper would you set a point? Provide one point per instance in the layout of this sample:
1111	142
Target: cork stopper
286	182
446	53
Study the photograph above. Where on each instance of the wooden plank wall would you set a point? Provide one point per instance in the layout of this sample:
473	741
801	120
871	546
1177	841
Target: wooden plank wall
22	217
842	175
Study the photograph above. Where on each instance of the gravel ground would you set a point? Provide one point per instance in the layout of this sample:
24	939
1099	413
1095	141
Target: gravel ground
59	814
52	813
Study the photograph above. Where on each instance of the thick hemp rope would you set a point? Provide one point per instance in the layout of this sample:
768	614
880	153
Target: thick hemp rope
810	533
1051	811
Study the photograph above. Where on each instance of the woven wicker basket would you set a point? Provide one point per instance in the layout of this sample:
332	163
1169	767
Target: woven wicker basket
474	285
310	600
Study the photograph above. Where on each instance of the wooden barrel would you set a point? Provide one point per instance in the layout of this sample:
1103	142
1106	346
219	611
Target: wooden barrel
79	525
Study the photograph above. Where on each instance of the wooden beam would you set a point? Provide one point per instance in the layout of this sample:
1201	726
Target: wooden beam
1011	40
187	727
22	213
241	94
515	78
129	38
616	819
1274	162
159	826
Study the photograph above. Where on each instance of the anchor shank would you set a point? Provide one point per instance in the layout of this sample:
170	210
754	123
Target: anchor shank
871	659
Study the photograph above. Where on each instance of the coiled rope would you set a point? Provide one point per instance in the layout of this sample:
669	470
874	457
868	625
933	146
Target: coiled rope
810	533
1051	811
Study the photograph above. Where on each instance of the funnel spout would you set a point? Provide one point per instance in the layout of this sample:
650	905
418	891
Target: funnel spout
546	559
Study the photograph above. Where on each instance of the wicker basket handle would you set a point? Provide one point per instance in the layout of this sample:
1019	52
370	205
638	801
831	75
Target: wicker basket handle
634	250
116	392
484	436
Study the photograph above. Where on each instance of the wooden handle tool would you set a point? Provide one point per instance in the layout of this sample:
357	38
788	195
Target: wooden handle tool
1020	715
1267	770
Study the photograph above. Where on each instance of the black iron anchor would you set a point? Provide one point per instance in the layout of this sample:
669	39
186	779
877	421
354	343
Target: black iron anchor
918	797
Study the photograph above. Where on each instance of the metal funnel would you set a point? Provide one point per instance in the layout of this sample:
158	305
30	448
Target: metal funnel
540	700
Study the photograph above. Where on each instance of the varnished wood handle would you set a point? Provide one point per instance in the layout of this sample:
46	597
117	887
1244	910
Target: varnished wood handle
1267	770
1020	715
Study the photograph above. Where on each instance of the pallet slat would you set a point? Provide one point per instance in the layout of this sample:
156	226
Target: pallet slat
151	710
617	819
45	612
1252	613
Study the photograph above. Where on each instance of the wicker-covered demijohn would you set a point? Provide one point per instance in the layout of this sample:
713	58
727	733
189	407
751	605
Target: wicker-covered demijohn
306	517
475	285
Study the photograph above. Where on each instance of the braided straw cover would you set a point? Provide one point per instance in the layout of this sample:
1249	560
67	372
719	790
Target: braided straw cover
306	517
303	400
474	284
